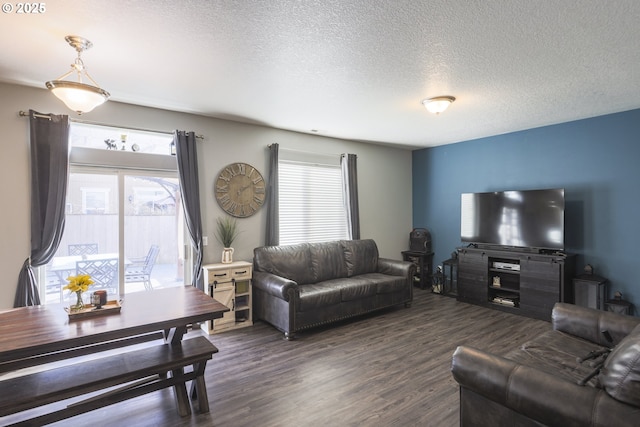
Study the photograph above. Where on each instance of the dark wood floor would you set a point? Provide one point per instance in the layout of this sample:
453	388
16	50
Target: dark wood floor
387	369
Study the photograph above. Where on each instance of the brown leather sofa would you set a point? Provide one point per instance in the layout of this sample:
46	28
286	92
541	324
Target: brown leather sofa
300	286
538	384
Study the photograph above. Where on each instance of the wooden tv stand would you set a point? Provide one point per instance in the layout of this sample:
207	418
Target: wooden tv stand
521	282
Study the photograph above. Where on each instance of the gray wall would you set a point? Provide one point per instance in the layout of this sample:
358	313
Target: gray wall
384	174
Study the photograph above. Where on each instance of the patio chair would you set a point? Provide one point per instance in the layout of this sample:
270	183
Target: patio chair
103	272
139	269
53	282
83	249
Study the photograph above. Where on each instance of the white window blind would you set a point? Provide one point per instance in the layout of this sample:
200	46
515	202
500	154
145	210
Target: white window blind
311	203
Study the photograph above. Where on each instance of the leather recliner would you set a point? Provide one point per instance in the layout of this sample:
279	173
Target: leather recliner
539	383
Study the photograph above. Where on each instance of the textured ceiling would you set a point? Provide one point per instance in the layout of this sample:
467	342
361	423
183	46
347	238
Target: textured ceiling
349	69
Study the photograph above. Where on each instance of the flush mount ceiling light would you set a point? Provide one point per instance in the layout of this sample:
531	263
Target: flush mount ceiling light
438	104
78	96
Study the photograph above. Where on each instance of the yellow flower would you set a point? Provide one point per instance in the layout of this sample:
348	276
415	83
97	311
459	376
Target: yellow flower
81	283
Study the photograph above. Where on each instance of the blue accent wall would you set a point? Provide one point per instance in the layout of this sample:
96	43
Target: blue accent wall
596	161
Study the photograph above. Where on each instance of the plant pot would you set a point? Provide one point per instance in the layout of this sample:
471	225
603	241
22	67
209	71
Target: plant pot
227	255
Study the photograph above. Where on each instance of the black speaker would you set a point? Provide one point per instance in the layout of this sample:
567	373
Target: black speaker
420	240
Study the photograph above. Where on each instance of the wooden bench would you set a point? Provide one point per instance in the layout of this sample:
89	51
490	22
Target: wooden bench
140	371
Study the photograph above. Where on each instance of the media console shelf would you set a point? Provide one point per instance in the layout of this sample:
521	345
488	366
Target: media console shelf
504	281
521	282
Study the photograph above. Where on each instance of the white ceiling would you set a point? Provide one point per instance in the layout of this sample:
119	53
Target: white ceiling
349	69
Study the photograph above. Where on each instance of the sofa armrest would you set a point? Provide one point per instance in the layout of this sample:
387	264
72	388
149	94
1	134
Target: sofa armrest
535	394
271	284
589	323
395	267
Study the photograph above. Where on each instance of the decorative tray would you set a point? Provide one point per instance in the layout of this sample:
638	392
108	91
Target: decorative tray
90	310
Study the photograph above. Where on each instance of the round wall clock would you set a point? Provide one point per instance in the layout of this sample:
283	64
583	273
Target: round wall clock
240	190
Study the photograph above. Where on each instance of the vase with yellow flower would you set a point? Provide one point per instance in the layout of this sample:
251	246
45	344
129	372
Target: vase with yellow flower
78	284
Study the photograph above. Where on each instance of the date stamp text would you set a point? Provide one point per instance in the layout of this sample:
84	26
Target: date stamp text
24	8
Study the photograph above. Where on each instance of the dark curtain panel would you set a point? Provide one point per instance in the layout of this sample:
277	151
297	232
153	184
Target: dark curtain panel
349	163
187	157
273	215
49	135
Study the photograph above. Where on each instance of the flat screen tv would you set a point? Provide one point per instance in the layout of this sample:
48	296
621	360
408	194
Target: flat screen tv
529	219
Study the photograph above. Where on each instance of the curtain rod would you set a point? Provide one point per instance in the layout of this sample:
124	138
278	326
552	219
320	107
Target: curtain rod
307	152
22	113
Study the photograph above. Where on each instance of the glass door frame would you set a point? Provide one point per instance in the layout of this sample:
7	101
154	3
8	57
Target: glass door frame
121	174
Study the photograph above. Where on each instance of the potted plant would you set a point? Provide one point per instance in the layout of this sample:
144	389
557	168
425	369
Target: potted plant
226	233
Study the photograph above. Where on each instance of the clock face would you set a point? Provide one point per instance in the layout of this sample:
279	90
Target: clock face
240	190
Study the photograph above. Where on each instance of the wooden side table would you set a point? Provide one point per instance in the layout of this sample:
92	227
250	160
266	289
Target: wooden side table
424	263
230	284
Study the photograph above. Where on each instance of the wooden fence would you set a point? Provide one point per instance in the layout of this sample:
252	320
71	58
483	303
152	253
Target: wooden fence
141	231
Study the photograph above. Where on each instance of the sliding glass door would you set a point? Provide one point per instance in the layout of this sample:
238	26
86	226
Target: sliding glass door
153	254
124	228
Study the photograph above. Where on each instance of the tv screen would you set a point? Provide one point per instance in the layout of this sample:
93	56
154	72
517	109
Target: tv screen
519	219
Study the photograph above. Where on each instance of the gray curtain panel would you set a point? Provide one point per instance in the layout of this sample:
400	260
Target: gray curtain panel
349	164
187	157
273	214
49	135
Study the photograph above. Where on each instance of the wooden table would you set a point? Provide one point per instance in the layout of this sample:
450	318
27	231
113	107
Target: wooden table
35	335
31	336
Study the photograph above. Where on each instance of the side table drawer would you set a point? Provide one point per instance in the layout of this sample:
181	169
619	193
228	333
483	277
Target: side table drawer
241	273
219	276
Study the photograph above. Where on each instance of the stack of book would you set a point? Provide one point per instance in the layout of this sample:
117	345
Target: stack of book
504	301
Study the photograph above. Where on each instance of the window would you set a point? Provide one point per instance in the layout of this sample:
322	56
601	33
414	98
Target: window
310	198
123	215
95	200
83	135
150	201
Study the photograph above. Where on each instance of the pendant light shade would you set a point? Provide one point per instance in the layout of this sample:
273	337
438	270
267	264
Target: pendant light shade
78	96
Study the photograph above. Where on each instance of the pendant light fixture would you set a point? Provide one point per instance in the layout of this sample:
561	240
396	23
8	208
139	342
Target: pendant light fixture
438	104
78	96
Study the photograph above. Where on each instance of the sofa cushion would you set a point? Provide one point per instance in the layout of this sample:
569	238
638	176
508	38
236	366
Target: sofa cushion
354	288
361	256
558	354
292	262
327	261
620	375
319	295
385	283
